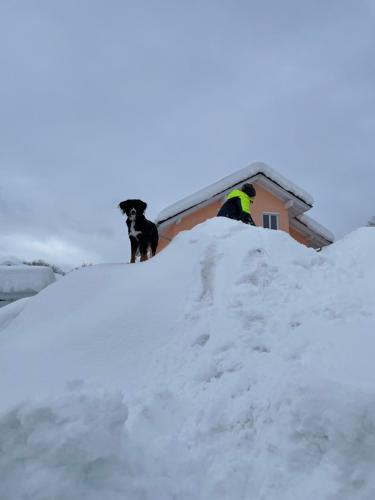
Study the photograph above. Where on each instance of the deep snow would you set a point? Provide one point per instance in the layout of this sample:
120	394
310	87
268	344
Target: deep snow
237	364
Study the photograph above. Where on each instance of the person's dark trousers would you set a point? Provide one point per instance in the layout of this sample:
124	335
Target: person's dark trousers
233	210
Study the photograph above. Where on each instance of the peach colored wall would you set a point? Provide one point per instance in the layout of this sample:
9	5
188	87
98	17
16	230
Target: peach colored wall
188	222
297	236
267	202
264	202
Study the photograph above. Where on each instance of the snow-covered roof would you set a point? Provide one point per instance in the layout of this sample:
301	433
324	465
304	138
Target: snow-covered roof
316	228
231	181
17	281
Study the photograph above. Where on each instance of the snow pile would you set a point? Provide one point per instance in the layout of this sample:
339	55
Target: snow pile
17	281
72	448
245	361
49	443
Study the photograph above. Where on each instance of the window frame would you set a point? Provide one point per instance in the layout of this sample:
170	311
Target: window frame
269	214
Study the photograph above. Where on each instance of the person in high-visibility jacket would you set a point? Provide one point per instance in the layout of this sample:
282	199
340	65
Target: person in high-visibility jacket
238	204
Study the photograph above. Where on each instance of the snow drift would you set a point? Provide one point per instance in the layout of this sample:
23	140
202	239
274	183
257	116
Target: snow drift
237	364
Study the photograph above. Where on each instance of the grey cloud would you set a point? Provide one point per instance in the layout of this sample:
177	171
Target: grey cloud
103	101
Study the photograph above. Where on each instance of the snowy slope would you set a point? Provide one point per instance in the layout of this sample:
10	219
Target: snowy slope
237	364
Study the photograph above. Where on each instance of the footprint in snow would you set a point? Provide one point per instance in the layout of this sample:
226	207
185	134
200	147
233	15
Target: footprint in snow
201	340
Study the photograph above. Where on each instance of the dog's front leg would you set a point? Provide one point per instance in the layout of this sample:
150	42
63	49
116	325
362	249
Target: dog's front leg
133	246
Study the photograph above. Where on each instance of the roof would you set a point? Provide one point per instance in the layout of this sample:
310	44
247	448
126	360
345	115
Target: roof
318	234
231	181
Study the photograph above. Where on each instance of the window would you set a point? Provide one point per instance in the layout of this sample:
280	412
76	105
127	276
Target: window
271	221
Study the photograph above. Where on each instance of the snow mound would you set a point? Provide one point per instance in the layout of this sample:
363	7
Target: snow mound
74	448
245	360
17	281
59	441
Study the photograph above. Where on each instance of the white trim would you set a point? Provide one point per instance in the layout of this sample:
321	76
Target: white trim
266	176
289	204
317	235
222	197
316	227
298	206
277	214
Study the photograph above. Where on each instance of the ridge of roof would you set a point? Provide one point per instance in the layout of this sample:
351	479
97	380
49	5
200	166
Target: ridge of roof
229	181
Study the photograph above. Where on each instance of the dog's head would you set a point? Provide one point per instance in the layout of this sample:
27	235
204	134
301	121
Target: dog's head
133	208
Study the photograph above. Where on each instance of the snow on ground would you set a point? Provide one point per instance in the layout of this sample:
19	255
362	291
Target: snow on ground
19	280
237	364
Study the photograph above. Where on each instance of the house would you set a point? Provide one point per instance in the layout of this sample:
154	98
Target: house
18	280
279	204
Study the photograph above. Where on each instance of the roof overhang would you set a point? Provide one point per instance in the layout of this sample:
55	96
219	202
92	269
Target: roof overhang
296	205
317	236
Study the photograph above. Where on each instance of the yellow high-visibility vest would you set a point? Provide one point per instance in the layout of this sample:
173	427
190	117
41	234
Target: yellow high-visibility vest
245	199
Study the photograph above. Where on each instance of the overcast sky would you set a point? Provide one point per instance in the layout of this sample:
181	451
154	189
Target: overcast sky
105	100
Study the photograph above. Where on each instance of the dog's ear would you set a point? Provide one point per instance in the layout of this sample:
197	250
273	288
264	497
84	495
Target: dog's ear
124	206
142	206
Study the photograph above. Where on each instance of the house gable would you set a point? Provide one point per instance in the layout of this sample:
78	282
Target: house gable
275	195
266	201
209	209
257	172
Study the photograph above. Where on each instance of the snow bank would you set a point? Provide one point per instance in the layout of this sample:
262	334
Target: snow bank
245	360
17	281
11	312
65	446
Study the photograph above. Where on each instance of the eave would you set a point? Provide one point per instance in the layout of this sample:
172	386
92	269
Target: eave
297	206
317	236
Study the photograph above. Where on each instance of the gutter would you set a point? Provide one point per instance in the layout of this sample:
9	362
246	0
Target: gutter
310	230
159	223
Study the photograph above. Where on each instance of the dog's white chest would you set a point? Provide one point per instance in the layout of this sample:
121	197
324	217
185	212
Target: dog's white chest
132	231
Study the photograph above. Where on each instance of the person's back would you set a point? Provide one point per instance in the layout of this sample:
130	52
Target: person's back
238	204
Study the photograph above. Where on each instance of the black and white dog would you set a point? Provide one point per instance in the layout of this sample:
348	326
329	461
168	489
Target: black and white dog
143	234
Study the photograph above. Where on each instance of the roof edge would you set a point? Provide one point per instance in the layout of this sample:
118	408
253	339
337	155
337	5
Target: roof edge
314	227
228	182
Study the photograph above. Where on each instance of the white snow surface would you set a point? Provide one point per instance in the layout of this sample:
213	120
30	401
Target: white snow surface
17	281
237	364
228	182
